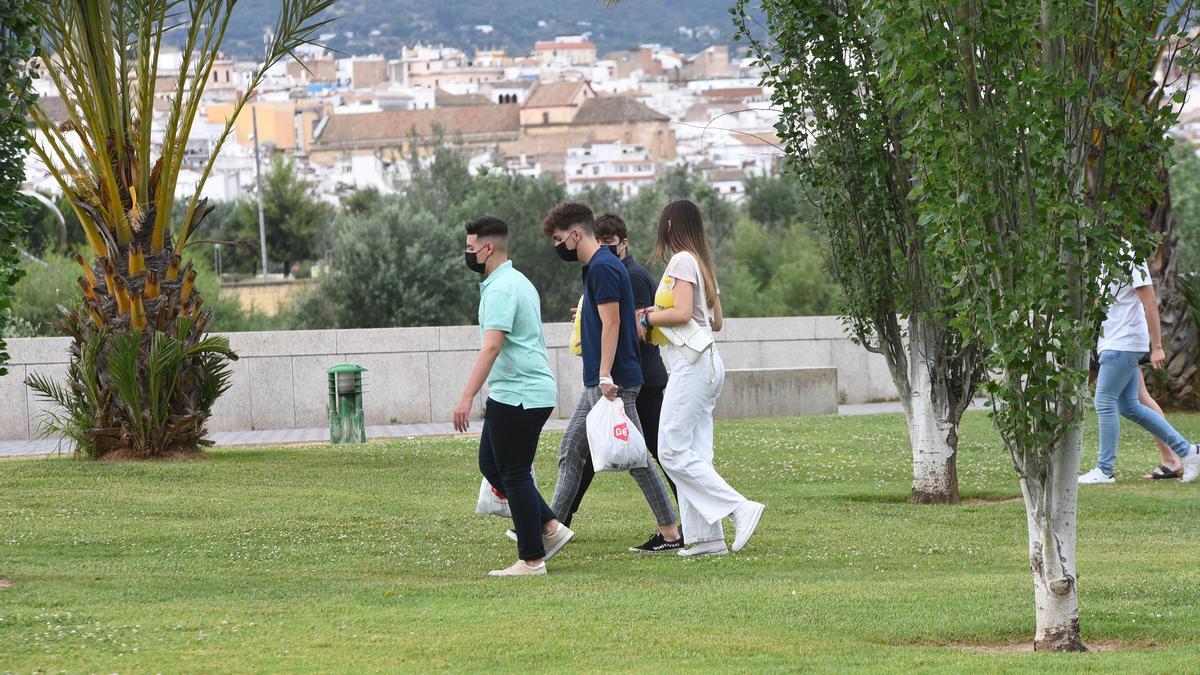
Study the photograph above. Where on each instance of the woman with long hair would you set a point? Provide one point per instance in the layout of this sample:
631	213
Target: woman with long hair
687	311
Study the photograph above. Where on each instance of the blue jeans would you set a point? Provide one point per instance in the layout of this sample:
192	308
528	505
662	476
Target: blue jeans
1117	392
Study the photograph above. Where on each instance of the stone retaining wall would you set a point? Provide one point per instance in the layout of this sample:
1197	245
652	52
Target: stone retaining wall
416	375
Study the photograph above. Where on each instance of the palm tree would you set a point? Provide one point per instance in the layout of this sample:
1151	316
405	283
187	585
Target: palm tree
1178	383
143	374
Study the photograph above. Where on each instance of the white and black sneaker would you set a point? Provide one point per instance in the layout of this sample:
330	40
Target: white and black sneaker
1191	465
658	544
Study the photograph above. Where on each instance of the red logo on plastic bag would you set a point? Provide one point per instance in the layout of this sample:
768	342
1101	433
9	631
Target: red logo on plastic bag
499	495
621	432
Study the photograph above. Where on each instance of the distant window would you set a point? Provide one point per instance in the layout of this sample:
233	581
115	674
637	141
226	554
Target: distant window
579	172
426	66
545	118
227	75
733	188
216	77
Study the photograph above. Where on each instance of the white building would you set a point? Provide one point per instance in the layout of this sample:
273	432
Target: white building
625	168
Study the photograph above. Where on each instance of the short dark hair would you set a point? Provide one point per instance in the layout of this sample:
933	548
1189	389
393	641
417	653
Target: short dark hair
567	215
488	226
610	225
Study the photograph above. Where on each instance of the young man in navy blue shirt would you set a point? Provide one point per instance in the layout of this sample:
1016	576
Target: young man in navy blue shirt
612	232
611	364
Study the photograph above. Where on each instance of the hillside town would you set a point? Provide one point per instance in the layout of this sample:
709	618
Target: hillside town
561	110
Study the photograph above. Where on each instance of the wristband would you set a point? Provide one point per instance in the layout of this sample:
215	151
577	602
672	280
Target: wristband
646	320
606	380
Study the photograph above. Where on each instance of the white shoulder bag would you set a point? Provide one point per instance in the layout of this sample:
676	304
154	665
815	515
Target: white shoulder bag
692	339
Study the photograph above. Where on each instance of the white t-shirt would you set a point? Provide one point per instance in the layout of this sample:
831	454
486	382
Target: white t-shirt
684	267
1124	328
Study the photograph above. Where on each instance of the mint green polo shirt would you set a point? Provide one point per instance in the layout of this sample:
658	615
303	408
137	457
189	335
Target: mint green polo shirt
521	375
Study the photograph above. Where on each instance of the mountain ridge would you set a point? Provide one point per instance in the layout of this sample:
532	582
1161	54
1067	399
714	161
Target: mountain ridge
383	26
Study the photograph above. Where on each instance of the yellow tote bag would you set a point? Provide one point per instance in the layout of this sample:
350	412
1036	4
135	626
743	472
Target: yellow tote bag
664	298
576	345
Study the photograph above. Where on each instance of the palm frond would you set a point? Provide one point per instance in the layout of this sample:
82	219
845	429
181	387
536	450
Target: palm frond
298	22
123	368
215	379
213	344
73	419
166	355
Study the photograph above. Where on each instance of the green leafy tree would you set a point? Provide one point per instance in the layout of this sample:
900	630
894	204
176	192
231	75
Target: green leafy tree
523	203
393	265
45	233
18	43
295	220
43	288
1039	135
845	141
777	202
777	272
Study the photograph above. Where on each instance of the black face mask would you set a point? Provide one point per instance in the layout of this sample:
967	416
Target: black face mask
615	248
567	254
472	259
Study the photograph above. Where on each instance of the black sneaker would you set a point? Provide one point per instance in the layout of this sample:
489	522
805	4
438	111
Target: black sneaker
657	544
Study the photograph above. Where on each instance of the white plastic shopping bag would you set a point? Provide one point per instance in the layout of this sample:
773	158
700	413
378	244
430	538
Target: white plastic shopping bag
492	501
615	442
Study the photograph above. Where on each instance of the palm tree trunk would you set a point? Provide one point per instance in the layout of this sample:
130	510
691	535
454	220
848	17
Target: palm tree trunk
1178	384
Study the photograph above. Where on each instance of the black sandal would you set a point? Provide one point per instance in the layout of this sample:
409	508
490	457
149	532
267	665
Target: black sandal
1162	473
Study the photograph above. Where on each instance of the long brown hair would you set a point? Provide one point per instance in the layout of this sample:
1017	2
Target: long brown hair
680	228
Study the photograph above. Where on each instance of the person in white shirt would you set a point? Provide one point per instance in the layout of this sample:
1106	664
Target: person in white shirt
687	303
1130	330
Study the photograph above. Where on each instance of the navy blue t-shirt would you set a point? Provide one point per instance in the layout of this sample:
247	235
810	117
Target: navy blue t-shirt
606	280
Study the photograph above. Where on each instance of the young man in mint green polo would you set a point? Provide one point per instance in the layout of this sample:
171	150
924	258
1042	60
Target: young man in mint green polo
514	363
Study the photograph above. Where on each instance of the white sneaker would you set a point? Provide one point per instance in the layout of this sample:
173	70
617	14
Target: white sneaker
1097	477
745	520
520	569
716	547
556	541
1191	464
551	543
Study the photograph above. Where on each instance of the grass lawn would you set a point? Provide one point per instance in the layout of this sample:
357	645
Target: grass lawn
371	559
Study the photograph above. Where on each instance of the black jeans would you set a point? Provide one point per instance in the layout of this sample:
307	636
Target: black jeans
649	408
506	449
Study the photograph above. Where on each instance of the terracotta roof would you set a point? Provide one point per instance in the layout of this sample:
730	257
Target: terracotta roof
544	46
615	110
444	98
555	94
733	92
396	124
758	138
724	175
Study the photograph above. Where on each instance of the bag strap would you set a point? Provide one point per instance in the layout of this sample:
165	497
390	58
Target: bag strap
709	315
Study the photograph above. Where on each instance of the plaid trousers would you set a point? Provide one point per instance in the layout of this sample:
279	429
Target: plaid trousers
574	457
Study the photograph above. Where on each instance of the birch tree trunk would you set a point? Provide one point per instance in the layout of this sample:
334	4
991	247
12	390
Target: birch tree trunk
935	387
934	437
1050	490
